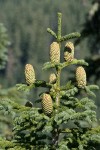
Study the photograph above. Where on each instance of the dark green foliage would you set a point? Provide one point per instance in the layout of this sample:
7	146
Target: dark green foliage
91	28
93	71
71	126
6	119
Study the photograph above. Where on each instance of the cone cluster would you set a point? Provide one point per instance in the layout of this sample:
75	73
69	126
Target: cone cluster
52	78
81	77
47	104
69	52
55	52
29	74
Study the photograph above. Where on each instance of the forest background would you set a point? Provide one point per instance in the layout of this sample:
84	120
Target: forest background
26	22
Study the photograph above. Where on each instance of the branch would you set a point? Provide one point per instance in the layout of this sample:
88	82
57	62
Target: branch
41	83
70	92
49	65
74	62
52	32
89	92
70	36
59	26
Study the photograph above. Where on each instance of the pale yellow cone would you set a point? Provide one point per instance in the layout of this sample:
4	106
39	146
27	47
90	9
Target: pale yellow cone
47	104
81	77
55	52
29	74
52	78
69	52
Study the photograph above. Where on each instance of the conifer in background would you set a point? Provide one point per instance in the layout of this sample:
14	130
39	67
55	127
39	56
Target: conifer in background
64	121
90	31
4	42
6	93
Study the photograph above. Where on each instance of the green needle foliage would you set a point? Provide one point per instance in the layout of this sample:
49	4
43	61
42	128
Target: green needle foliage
65	121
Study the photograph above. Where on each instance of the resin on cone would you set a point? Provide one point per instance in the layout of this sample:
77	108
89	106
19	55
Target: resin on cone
81	77
55	52
69	52
29	74
47	104
52	78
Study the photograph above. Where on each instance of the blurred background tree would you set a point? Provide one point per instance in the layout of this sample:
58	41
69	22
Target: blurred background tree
91	33
26	22
12	93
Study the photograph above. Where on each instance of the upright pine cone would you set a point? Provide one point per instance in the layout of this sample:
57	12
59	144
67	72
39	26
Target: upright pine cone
81	77
52	78
69	52
55	52
29	74
47	104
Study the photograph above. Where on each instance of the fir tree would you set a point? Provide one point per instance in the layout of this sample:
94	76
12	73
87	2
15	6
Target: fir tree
3	46
65	121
